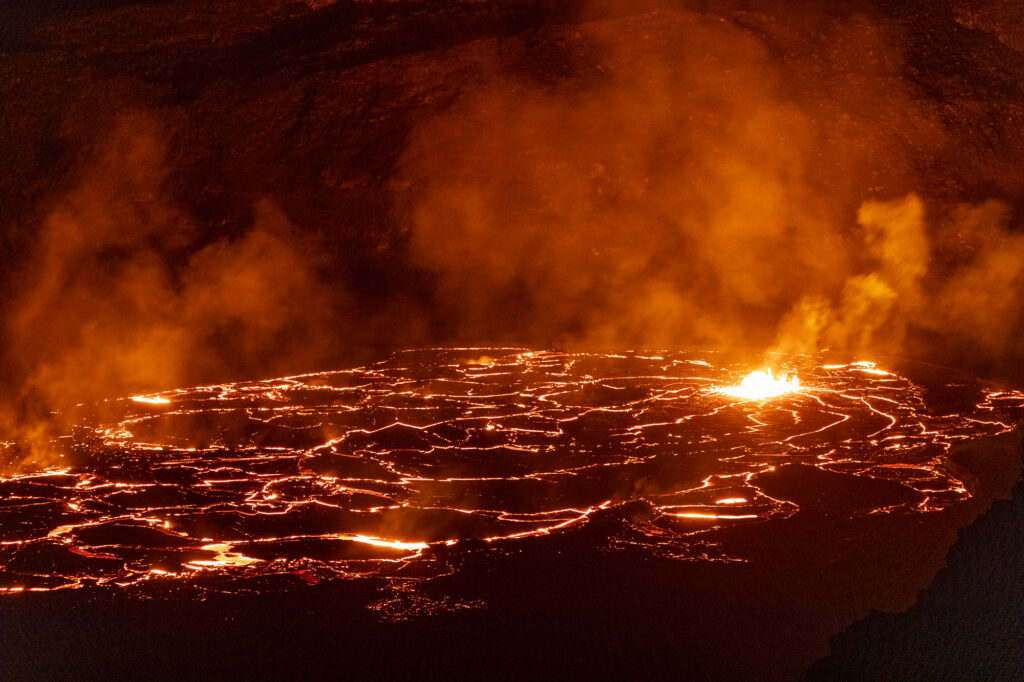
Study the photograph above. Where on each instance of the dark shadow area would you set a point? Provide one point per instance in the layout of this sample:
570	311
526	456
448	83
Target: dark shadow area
967	625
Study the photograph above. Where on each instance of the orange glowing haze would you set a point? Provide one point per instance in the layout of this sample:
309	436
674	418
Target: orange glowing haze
767	179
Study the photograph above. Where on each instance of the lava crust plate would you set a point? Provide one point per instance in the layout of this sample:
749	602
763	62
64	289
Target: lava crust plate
396	470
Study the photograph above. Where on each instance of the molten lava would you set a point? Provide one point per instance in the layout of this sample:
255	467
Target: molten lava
150	399
762	385
405	469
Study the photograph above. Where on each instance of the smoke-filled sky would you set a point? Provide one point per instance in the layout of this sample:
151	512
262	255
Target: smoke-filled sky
293	198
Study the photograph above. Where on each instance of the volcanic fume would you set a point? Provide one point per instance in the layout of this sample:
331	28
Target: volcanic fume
488	318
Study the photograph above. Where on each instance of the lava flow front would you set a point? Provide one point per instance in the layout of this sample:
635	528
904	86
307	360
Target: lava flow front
397	469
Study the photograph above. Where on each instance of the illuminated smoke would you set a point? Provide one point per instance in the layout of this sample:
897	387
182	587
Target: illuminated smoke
103	309
678	191
684	179
768	180
969	292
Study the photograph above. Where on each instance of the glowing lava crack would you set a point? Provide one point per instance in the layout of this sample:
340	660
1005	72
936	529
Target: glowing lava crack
394	469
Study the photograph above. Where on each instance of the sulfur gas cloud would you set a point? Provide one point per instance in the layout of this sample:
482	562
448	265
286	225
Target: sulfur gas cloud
658	178
680	179
122	294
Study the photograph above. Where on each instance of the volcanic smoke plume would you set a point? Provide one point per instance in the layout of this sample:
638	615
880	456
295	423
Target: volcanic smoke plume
676	179
100	308
787	179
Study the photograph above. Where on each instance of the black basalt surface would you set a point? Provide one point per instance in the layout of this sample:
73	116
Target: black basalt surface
968	624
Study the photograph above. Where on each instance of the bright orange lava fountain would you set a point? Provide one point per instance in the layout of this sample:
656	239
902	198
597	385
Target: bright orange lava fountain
761	385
